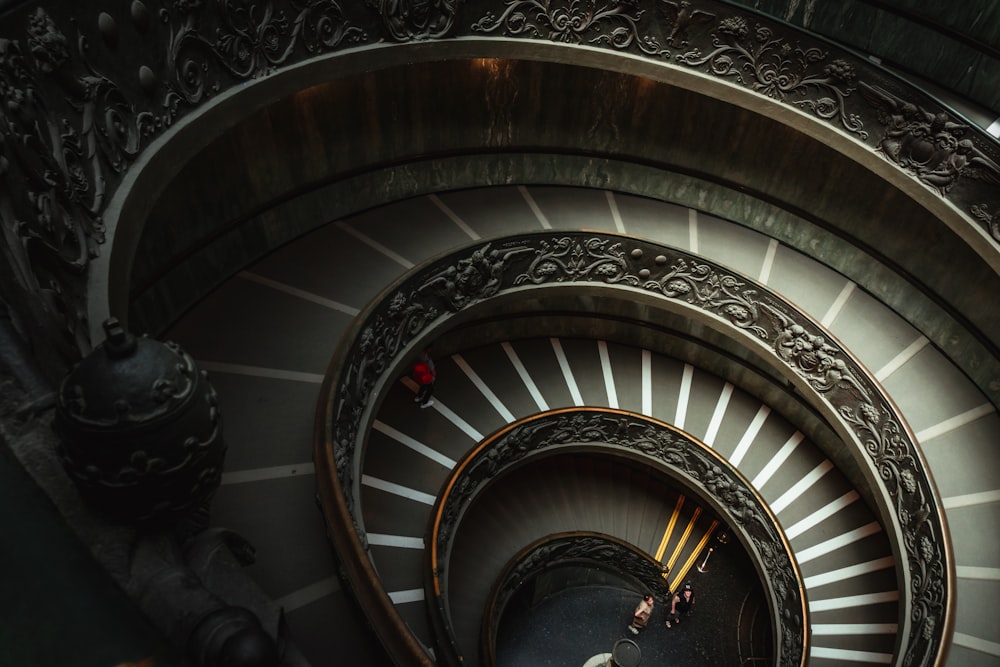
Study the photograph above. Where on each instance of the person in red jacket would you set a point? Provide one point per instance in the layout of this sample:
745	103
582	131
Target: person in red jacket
424	374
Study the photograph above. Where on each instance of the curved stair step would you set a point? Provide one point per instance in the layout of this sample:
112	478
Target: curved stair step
267	334
842	548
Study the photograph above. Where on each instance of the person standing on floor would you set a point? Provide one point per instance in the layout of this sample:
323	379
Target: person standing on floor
640	617
424	374
681	605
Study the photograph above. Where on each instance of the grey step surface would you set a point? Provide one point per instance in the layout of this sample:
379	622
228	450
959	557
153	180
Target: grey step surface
266	337
839	567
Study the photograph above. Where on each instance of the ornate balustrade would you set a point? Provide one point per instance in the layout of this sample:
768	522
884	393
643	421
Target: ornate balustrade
528	269
656	445
91	94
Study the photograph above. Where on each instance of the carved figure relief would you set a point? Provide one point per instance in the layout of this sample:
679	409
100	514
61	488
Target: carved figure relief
474	278
812	357
928	145
682	17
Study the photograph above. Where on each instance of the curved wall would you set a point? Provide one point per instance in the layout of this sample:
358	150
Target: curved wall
363	139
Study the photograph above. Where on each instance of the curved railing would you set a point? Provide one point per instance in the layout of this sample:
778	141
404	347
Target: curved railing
656	445
91	93
465	284
934	31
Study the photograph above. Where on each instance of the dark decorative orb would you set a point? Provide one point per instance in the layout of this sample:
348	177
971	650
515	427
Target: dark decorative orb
139	428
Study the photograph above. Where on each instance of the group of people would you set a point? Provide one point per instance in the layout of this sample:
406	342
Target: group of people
681	604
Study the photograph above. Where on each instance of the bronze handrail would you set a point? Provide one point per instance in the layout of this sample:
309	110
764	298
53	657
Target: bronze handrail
659	446
461	286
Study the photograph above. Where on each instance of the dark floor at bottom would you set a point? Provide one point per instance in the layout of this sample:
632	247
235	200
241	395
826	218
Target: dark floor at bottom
570	627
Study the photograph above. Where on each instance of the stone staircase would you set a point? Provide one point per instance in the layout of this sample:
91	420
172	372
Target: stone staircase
266	337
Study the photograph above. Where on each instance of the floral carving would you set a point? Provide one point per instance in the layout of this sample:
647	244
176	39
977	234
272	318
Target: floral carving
58	154
416	19
773	66
991	222
568	259
704	286
599	259
471	276
899	470
71	130
46	42
613	23
252	39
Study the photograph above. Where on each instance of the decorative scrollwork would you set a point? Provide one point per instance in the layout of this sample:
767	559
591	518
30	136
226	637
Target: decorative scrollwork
900	473
697	464
710	289
775	67
613	23
991	222
378	344
416	19
469	277
567	259
252	39
71	129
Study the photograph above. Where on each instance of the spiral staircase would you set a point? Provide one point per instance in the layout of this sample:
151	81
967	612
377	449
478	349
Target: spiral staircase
267	335
798	238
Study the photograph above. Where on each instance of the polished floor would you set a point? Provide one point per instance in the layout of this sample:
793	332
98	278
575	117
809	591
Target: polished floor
571	627
267	335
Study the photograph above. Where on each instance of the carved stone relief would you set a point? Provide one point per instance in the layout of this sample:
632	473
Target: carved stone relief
86	92
608	23
405	20
74	122
928	145
772	65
